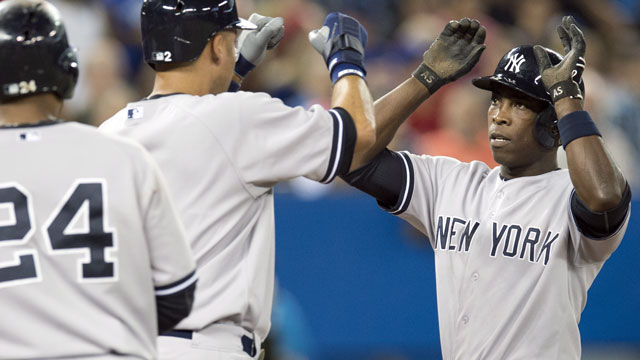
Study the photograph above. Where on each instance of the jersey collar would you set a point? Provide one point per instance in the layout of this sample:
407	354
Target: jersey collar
158	96
46	122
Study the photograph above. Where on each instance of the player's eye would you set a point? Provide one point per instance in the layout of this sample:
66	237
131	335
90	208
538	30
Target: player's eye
521	105
494	100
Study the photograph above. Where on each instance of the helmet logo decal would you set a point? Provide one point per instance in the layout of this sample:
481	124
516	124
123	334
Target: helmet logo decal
162	56
515	61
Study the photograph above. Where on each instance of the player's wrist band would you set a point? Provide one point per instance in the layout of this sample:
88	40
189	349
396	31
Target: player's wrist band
243	66
346	62
576	125
428	78
345	69
234	87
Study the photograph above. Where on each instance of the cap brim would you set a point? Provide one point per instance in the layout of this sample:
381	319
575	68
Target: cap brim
245	24
489	83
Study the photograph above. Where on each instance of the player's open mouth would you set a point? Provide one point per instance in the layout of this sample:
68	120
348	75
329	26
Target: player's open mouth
497	140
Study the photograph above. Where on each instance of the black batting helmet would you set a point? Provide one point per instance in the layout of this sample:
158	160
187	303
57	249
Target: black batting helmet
518	70
178	30
34	51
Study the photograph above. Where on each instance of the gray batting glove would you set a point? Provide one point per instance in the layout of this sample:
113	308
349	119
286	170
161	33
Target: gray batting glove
318	38
452	55
252	44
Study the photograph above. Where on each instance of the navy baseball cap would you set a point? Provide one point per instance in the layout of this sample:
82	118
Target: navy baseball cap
518	70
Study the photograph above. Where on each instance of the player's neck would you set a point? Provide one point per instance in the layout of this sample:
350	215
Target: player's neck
193	79
30	110
548	163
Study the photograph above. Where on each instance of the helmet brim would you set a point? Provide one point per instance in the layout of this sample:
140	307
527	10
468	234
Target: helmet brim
489	83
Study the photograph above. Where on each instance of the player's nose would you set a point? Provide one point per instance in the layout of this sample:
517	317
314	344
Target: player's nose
501	116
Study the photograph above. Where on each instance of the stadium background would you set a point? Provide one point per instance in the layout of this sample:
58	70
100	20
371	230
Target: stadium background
354	282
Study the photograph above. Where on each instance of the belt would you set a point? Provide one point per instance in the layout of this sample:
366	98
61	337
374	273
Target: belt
248	345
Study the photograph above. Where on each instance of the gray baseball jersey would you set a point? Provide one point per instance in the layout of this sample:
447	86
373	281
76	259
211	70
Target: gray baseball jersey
221	155
512	267
87	231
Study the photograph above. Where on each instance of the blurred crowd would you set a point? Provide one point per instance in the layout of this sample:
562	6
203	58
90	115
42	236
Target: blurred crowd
452	123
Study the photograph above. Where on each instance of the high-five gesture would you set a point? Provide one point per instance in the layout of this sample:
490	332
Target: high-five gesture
453	54
563	80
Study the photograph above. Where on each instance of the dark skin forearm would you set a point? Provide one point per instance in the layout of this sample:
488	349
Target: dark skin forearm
393	109
595	176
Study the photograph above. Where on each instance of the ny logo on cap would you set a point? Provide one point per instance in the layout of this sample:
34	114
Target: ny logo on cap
515	61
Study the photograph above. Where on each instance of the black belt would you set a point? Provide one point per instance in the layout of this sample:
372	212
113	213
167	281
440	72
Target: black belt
248	345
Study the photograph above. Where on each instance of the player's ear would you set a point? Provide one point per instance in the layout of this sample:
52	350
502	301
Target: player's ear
217	48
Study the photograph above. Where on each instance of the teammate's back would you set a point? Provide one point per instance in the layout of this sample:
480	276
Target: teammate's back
223	151
94	261
79	209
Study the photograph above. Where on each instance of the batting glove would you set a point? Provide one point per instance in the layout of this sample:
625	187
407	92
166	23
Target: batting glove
253	44
341	41
452	55
563	80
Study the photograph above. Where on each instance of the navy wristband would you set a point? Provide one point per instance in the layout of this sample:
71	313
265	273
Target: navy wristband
344	69
233	87
243	66
576	125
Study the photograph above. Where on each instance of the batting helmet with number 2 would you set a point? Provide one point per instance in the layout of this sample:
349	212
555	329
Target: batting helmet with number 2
178	30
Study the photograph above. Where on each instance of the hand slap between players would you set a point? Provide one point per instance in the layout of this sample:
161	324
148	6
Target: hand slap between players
452	55
563	79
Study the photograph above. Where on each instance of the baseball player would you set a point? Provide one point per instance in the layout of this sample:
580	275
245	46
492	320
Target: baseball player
223	151
518	246
93	261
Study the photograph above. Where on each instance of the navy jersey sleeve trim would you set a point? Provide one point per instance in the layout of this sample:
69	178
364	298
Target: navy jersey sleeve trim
388	178
343	144
407	188
600	225
177	286
174	307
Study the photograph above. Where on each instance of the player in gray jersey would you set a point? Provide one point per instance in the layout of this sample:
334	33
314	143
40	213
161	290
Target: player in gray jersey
94	261
223	151
518	246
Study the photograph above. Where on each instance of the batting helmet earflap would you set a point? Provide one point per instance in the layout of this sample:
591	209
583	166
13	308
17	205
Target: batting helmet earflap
178	30
518	70
34	51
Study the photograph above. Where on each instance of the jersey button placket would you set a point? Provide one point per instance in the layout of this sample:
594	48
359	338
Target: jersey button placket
496	204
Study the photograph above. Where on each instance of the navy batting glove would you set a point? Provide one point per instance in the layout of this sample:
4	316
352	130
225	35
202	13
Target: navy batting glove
341	41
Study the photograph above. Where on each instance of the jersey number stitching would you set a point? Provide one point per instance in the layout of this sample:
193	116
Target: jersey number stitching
83	198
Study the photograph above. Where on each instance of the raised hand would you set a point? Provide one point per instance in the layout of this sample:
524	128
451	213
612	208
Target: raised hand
563	79
252	44
453	54
341	41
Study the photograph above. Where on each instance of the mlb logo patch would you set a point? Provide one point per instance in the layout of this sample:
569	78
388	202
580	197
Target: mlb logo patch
29	136
135	113
161	56
11	89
